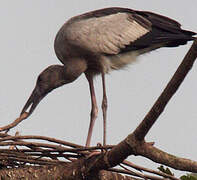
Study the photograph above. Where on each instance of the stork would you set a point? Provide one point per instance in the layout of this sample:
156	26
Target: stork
100	41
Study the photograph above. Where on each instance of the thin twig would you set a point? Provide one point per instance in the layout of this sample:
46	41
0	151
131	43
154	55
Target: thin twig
144	176
130	164
54	140
132	172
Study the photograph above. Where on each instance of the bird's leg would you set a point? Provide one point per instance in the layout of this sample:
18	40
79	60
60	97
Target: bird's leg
104	108
94	110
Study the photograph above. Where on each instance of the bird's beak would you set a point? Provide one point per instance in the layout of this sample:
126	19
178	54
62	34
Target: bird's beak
33	101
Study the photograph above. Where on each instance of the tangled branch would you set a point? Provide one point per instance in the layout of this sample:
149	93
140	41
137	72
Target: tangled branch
22	153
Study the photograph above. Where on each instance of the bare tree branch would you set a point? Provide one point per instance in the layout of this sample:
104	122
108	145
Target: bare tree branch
164	158
168	92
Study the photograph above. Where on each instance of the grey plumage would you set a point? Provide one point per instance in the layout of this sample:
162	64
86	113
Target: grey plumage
100	41
107	34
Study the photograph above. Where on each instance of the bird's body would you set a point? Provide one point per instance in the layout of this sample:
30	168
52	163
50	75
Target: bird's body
111	38
104	40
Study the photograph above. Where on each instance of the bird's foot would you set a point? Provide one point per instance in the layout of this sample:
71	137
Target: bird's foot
102	151
95	153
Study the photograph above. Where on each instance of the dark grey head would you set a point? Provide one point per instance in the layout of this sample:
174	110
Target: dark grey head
52	77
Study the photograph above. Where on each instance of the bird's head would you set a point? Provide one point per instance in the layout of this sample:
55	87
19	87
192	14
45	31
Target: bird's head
51	78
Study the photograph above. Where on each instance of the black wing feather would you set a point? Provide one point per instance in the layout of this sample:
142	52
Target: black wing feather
164	31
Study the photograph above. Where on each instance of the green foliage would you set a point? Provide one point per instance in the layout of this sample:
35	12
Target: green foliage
166	170
189	177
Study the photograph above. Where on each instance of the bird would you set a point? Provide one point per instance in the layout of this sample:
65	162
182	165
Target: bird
100	41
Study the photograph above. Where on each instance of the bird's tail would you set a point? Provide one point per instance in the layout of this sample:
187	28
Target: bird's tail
181	38
166	30
158	37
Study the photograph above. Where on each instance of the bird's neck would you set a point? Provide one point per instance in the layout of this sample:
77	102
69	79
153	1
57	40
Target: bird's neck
73	69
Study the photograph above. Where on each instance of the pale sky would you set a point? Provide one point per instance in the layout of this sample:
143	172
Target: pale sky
27	33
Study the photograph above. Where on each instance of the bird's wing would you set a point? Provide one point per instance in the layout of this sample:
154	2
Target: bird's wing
108	34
